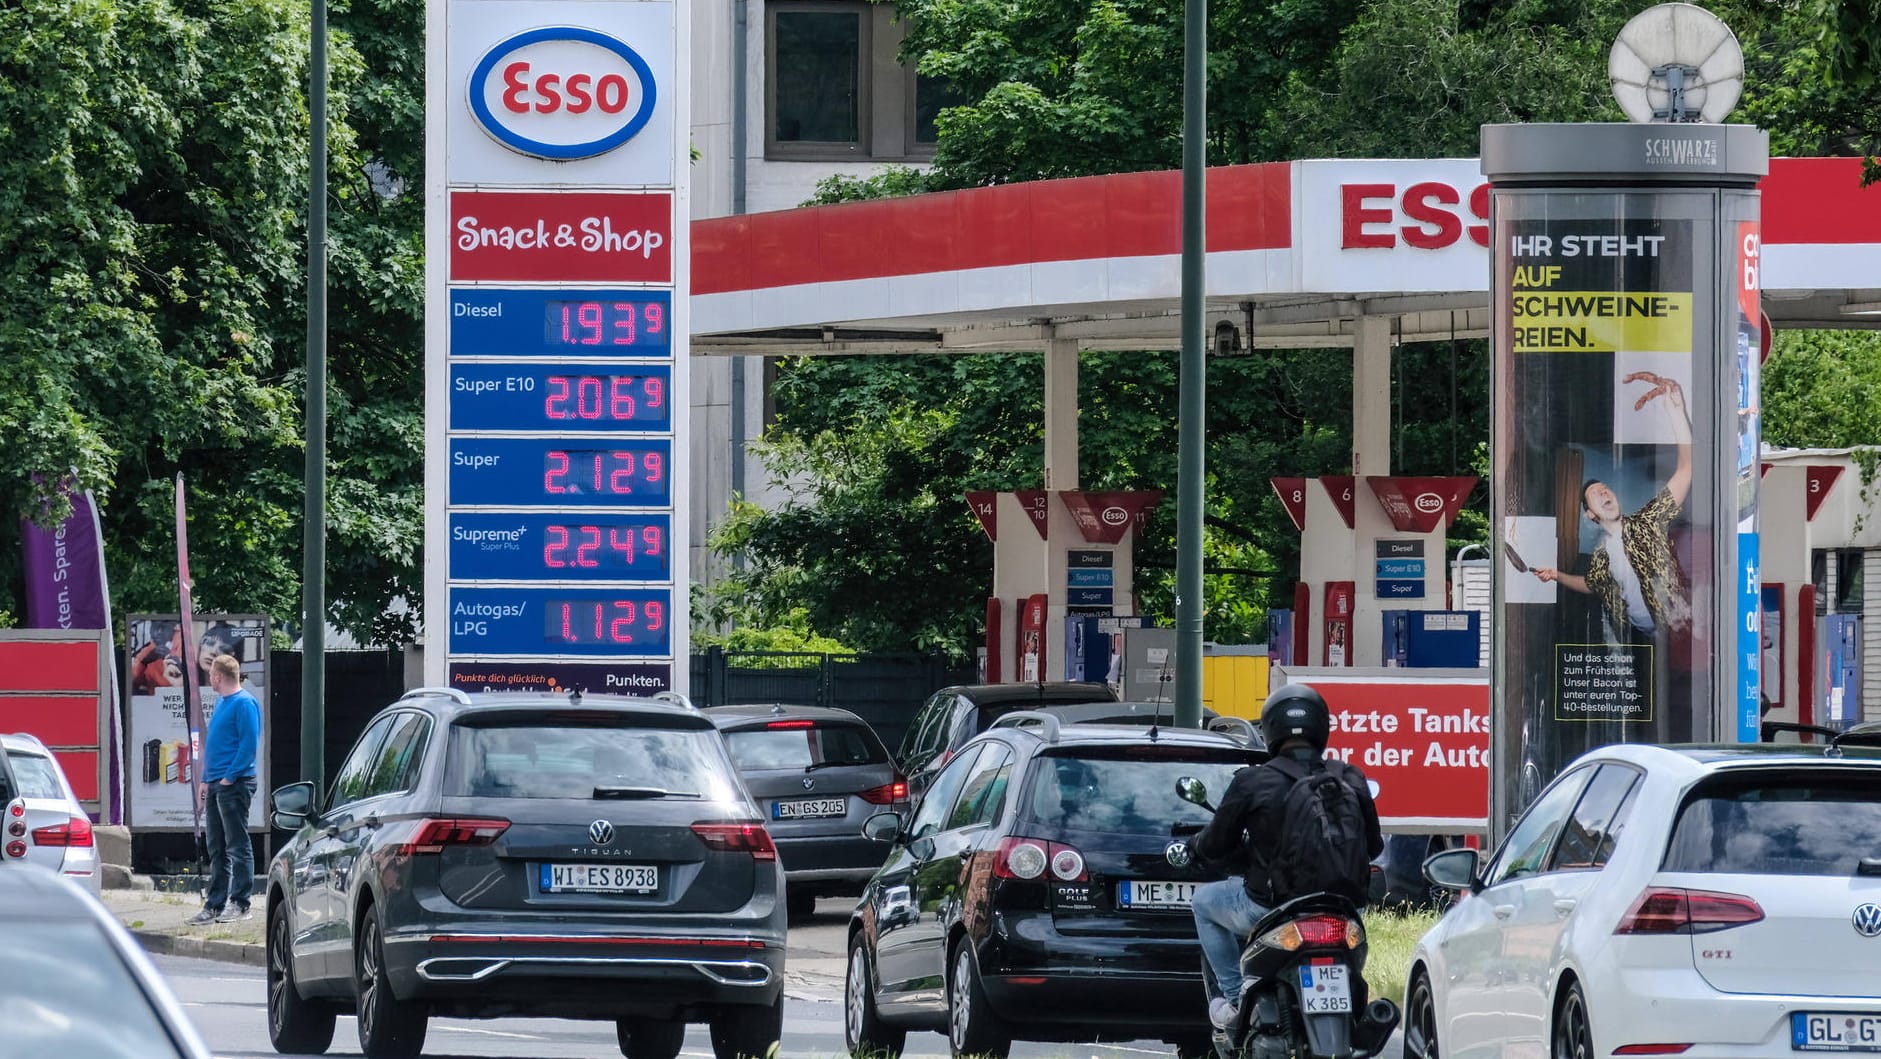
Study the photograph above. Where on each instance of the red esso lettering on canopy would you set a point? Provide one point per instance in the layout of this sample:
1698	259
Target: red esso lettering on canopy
1426	216
562	93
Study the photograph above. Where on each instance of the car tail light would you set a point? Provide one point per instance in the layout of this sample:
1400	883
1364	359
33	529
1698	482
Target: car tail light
74	832
16	848
17	809
791	724
887	793
737	838
1671	910
1315	932
1028	858
434	835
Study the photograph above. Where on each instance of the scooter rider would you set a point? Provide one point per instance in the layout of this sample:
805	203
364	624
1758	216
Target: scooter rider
1245	834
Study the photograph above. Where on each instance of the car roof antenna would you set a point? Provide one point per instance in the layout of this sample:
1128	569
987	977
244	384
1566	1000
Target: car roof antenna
1162	681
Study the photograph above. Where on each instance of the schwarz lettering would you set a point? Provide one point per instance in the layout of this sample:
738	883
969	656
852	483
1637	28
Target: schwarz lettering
1682	151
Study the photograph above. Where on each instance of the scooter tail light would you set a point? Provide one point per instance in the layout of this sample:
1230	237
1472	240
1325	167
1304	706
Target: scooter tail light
1318	932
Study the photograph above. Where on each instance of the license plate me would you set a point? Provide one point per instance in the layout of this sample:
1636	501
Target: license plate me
810	809
1325	989
600	878
1139	893
1824	1032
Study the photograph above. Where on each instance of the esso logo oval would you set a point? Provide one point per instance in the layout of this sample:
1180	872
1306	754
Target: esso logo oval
1428	503
562	93
1115	516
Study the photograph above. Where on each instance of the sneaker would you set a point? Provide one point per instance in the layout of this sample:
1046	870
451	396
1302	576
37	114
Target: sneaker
1221	1012
207	915
235	914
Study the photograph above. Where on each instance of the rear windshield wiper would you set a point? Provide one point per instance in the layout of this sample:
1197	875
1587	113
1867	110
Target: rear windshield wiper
835	764
625	793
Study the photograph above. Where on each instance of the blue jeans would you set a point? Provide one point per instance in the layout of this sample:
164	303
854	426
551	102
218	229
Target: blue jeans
231	854
1224	916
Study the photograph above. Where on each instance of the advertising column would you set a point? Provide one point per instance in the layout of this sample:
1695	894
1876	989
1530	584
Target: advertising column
556	411
1625	439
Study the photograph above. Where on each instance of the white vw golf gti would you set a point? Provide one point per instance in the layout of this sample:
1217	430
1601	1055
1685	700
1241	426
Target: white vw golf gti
1690	901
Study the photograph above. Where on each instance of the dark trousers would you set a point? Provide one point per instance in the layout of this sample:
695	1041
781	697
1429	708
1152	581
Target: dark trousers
231	854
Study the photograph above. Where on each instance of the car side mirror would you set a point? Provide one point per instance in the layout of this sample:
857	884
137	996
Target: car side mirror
293	805
1454	869
1192	790
882	827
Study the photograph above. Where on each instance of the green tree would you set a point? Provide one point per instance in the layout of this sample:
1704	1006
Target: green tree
153	175
1822	389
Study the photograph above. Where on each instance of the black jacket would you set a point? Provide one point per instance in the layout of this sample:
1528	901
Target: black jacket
1254	804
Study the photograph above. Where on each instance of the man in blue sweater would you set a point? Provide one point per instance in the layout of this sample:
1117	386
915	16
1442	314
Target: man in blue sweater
228	778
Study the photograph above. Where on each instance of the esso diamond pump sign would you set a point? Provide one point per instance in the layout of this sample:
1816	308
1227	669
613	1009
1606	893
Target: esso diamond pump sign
562	93
557	316
590	86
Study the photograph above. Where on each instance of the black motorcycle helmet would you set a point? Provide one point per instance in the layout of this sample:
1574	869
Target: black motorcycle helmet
1296	712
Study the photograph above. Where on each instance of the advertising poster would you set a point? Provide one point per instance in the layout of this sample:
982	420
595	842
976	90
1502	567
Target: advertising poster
158	754
1611	465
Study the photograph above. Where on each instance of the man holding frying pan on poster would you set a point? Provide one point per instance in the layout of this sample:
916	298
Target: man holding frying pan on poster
1634	572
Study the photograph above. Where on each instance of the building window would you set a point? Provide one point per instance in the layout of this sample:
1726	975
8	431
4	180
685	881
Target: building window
835	89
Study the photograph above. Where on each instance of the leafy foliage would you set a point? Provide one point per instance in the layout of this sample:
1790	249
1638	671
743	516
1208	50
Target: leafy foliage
153	176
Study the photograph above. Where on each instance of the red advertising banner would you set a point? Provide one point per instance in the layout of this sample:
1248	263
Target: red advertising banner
1106	518
1339	488
1420	505
1034	501
1423	743
550	237
985	505
1292	493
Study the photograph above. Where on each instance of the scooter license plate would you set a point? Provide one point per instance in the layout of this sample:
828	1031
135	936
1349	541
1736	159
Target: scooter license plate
1325	988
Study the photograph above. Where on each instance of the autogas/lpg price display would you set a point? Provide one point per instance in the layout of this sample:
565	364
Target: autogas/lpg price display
552	620
489	322
520	472
560	547
527	397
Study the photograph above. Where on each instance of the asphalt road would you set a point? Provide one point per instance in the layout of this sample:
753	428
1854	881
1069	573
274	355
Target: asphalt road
227	1002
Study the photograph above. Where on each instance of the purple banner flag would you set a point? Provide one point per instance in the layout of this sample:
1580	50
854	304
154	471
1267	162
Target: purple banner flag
64	572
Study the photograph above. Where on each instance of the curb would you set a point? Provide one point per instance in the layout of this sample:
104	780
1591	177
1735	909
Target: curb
157	942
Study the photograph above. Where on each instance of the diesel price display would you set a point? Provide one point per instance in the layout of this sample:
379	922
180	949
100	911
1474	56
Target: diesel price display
487	322
525	397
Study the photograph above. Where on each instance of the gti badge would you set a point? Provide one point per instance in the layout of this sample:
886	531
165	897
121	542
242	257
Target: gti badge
601	833
1867	920
809	784
1177	854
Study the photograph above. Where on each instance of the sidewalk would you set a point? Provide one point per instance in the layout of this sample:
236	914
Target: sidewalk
814	966
159	921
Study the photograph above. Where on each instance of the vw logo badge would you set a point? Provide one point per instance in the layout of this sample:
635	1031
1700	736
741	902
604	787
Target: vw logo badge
601	832
1177	854
809	784
1867	920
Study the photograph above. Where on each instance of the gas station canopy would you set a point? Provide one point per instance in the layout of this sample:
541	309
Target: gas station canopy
1297	253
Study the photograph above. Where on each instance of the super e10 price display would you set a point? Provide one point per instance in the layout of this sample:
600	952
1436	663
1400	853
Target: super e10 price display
525	397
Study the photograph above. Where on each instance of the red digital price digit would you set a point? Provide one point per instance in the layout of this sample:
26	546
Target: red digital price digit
656	615
651	537
590	316
557	472
590	543
555	405
621	398
558	543
656	317
622	480
622	543
588	397
624	321
597	472
621	629
655	390
568	624
655	465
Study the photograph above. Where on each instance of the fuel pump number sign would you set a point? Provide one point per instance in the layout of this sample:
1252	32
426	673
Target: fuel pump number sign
1325	987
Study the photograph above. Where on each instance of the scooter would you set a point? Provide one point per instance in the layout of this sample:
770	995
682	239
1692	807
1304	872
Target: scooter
1303	994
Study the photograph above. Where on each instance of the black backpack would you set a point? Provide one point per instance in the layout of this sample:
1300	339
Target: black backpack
1321	844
